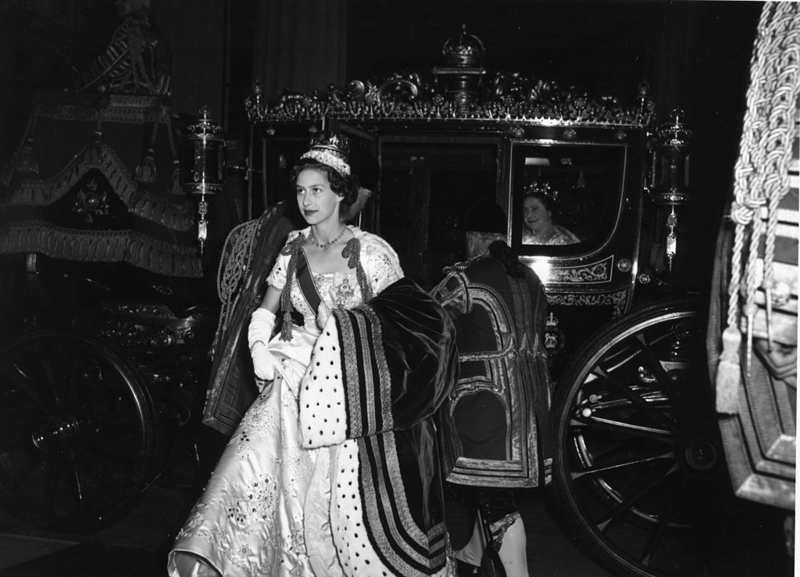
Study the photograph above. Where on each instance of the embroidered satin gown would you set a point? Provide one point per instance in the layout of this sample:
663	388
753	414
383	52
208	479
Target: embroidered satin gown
333	469
250	519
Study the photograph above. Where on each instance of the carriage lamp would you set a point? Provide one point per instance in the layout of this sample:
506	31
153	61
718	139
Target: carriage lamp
203	167
669	175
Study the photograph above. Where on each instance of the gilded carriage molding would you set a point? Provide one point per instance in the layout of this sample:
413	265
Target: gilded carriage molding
616	299
596	272
509	98
460	91
151	325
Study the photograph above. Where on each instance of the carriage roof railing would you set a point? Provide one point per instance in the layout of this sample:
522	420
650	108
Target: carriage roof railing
510	98
460	91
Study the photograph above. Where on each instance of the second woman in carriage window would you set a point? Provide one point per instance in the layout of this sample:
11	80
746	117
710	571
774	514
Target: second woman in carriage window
538	207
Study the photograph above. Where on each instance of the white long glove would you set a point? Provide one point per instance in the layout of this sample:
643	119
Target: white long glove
258	335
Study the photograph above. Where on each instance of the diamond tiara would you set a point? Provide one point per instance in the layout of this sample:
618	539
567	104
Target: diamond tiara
331	149
542	188
328	158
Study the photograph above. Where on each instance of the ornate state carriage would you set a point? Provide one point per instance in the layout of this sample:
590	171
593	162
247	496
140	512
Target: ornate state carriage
639	459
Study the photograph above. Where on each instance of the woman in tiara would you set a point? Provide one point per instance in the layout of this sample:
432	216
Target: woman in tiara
333	469
538	206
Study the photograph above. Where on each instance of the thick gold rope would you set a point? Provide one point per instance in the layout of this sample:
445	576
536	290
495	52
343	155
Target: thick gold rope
761	180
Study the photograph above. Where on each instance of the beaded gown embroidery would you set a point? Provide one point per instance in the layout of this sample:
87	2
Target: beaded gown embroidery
265	508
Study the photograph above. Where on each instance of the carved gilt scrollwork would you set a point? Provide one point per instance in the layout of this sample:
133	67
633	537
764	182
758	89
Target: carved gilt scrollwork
616	300
509	97
596	272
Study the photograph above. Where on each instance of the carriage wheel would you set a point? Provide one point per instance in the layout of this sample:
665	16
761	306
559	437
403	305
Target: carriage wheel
637	461
77	431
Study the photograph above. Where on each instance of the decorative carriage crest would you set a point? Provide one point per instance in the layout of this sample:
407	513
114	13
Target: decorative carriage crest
554	339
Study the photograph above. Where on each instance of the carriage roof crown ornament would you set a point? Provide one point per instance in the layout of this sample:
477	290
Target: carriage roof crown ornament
463	70
463	50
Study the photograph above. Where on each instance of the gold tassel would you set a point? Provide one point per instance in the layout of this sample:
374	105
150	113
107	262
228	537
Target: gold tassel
729	373
145	172
286	328
26	162
176	177
94	152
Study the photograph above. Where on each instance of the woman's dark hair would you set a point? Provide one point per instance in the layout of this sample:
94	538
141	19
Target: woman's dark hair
485	216
365	165
502	252
344	186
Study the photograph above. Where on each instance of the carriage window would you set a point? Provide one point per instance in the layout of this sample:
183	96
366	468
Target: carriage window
565	198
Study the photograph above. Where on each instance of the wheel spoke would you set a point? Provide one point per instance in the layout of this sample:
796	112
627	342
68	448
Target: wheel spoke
630	429
653	479
664	515
100	473
79	494
24	388
623	464
638	401
609	449
655	364
50	377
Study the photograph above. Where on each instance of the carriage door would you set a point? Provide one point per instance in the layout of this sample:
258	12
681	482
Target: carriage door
426	186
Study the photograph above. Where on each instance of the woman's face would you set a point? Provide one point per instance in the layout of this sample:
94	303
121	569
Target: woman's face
317	202
535	214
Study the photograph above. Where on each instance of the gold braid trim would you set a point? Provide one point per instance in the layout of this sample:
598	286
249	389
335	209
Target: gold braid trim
352	252
292	248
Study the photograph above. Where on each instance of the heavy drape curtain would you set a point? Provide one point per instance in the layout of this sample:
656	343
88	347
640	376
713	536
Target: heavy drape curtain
197	38
300	45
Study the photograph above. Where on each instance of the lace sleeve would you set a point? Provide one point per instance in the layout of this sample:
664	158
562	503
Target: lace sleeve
382	264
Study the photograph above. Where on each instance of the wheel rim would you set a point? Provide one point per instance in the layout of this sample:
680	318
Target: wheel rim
634	467
77	434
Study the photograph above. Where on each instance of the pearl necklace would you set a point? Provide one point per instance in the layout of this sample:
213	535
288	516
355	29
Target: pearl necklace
325	245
